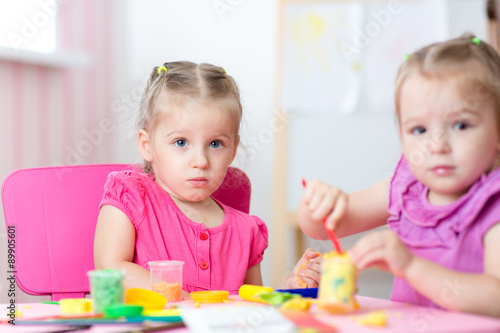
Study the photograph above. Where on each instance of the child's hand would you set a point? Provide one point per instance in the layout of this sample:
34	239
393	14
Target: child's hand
325	201
307	271
383	249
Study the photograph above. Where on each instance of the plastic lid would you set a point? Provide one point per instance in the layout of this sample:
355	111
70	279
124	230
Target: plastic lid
150	300
209	296
166	264
122	310
106	273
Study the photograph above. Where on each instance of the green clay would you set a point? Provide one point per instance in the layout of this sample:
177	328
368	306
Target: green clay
106	288
277	298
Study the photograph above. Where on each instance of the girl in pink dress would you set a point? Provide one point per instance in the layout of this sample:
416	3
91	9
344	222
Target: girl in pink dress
188	134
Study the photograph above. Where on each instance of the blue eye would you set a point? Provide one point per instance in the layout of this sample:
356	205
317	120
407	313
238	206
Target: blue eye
180	143
418	130
460	126
215	144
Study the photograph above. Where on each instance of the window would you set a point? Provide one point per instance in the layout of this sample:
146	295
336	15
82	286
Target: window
28	25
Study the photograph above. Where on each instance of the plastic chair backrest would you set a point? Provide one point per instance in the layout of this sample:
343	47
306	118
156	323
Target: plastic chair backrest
51	214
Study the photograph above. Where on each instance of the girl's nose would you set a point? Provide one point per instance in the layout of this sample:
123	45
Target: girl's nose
439	144
199	160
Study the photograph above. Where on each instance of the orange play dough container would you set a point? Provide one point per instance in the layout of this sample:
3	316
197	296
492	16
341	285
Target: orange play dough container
171	291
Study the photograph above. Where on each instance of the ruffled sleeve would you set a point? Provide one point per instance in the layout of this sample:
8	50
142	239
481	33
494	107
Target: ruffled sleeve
421	224
125	191
259	243
401	181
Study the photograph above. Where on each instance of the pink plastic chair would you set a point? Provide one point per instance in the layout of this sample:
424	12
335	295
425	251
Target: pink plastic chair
54	213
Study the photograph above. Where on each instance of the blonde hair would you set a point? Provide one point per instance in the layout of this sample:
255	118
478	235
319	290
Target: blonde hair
186	82
467	59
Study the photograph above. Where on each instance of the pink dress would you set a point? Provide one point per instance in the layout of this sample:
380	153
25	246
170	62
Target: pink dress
214	258
449	235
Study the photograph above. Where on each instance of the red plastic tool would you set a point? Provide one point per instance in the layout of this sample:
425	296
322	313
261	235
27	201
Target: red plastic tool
330	233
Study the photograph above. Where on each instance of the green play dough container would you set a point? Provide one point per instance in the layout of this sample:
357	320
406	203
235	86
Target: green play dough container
106	288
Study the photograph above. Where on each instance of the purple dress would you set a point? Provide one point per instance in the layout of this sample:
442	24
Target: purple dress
449	235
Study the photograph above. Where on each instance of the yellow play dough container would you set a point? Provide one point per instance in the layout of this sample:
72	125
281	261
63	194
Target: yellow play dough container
146	298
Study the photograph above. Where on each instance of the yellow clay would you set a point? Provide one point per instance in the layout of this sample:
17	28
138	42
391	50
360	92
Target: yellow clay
297	303
251	293
374	318
75	306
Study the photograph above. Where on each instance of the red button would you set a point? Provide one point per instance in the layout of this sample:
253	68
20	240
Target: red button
203	236
204	265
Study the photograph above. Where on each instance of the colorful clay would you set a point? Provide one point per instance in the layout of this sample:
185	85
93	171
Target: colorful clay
338	283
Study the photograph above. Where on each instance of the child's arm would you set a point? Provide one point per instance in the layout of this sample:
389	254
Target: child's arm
468	292
114	246
253	276
346	214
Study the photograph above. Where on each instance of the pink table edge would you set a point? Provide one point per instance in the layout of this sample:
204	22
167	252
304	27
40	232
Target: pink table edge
400	318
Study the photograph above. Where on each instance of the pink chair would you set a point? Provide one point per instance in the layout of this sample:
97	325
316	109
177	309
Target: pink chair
52	213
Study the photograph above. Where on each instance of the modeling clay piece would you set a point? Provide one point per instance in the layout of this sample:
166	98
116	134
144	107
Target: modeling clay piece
75	306
252	293
171	291
301	282
374	318
297	304
338	283
277	298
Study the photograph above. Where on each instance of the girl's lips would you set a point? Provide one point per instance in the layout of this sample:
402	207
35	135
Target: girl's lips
198	181
442	170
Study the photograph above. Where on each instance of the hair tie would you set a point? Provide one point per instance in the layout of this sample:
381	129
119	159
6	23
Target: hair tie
162	68
407	56
476	40
222	70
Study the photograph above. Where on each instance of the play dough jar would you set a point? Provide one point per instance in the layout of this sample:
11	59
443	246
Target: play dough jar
106	288
338	283
166	279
